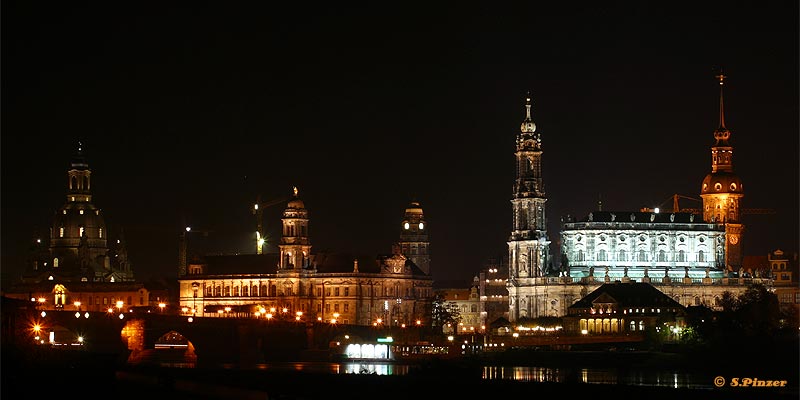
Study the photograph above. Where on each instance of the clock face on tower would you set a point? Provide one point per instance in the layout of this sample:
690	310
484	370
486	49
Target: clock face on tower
733	239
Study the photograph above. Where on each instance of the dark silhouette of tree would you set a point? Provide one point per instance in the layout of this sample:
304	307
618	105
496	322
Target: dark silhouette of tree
445	312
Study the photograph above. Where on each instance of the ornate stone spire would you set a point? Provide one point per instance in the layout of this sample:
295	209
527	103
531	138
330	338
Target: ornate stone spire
721	134
527	125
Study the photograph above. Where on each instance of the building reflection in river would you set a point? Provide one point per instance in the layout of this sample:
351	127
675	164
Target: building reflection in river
608	376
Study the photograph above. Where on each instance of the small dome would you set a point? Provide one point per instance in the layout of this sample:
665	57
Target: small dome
414	208
721	182
296	203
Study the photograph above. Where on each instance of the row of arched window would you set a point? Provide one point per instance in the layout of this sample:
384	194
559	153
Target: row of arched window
640	256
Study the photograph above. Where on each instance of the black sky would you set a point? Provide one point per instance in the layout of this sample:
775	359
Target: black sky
191	110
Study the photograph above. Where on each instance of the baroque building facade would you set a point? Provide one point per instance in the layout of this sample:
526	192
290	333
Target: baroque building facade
301	285
693	258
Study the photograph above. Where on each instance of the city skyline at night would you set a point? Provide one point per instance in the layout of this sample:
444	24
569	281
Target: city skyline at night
189	114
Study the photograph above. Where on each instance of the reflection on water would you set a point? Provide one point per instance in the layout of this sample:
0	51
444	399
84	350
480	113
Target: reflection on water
372	368
609	376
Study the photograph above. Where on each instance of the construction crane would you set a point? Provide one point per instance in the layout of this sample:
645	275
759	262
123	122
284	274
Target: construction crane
676	208
183	256
258	211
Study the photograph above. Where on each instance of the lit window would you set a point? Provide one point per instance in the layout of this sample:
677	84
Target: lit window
421	225
61	232
101	233
80	212
55	262
406	225
81	231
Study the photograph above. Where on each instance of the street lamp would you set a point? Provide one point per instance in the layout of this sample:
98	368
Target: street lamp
161	306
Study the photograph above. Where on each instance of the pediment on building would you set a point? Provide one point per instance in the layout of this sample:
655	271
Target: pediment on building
604	298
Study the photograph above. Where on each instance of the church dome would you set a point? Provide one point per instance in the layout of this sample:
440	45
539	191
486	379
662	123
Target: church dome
296	203
721	182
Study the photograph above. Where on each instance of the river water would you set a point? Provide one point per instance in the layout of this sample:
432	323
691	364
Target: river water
591	375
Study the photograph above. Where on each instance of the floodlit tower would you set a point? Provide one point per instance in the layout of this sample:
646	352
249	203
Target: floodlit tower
722	189
528	245
295	246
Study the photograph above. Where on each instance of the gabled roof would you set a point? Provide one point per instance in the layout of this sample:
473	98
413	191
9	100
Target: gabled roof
628	295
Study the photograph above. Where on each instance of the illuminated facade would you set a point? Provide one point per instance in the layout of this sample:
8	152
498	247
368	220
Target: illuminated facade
642	244
297	285
691	258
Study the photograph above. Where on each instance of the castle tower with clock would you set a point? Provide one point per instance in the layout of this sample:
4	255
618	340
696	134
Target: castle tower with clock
722	190
414	243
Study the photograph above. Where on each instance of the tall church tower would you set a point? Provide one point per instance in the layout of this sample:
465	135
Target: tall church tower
528	245
722	189
414	242
295	246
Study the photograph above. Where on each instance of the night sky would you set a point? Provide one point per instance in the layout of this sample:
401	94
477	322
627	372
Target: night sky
188	112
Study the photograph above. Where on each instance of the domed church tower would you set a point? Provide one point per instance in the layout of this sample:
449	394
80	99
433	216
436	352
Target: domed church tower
722	190
295	246
78	246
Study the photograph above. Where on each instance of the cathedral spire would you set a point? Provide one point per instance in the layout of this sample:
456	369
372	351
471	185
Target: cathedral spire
721	78
527	125
721	134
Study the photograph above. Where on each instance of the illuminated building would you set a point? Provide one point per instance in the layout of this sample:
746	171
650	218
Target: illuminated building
78	270
722	190
297	284
691	257
616	308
